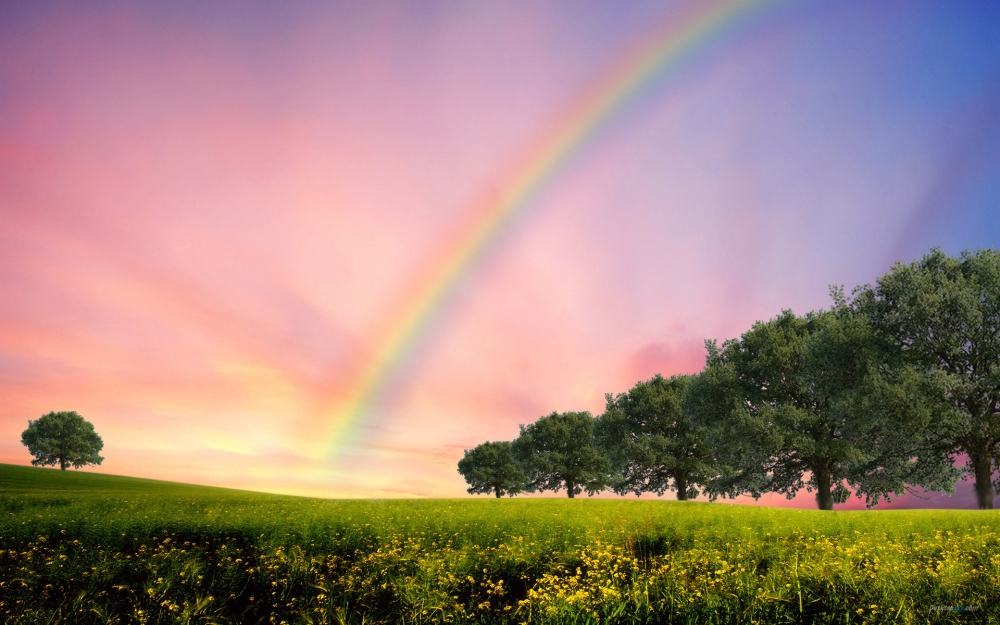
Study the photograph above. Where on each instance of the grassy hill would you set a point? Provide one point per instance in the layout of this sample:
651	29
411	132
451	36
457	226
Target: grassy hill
34	479
81	548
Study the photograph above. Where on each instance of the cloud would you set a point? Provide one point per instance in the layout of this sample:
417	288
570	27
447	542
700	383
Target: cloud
667	359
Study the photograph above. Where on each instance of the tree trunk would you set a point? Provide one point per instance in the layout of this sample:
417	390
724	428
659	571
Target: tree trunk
984	486
823	495
62	464
681	482
497	489
570	487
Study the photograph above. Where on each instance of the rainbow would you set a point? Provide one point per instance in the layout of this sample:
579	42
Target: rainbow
657	55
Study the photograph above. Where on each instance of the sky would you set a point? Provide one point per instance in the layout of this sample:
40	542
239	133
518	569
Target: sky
322	248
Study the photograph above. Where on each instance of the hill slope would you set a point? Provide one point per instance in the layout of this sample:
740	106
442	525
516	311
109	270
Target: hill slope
159	552
35	479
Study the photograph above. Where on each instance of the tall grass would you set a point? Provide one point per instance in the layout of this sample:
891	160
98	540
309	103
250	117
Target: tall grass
86	548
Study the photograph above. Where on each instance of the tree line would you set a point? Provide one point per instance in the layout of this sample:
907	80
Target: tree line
894	387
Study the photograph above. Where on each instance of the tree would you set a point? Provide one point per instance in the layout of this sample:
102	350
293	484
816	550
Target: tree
942	316
806	396
651	442
882	402
490	468
62	438
558	452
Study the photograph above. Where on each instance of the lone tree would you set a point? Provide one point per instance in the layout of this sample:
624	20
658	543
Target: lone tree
652	444
490	468
558	452
942	316
63	438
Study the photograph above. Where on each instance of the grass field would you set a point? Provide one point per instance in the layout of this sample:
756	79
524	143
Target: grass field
86	548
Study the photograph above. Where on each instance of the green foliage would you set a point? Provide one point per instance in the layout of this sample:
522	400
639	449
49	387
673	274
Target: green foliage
62	438
881	402
806	402
877	395
85	548
490	468
558	451
941	315
651	442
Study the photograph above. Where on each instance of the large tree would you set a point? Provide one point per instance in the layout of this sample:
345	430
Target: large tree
804	402
651	442
558	451
62	438
490	468
942	315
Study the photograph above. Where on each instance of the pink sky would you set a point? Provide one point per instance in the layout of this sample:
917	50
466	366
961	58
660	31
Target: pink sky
210	214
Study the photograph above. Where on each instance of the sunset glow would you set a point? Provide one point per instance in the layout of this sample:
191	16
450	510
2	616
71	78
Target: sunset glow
323	248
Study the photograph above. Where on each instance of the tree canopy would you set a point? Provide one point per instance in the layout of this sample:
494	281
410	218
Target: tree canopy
879	395
804	402
490	468
63	438
558	451
941	315
651	442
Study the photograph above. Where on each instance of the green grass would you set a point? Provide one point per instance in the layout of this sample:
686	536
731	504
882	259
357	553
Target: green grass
85	548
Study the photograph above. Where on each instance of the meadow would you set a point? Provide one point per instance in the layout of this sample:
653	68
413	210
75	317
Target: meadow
86	548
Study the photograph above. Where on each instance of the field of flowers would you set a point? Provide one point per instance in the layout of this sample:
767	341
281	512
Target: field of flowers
85	548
